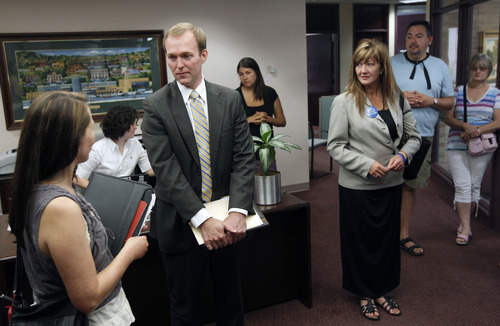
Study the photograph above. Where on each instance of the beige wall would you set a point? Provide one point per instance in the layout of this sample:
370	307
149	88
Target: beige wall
272	32
346	43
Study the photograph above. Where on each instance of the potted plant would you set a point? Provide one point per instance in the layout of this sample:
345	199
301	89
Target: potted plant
268	183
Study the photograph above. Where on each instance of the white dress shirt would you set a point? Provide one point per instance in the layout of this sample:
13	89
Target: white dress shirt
105	157
202	214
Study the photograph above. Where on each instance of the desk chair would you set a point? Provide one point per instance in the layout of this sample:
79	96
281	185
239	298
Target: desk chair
142	177
313	144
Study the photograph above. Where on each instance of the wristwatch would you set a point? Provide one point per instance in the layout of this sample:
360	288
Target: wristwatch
435	101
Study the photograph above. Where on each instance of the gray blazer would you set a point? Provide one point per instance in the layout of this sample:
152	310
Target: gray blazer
355	141
171	146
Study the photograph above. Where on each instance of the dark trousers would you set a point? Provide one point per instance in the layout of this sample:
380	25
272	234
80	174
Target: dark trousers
185	275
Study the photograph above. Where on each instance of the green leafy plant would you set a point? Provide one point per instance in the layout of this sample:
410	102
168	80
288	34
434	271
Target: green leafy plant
266	146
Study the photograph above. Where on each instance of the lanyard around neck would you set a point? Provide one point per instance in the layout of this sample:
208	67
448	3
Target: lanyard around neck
417	62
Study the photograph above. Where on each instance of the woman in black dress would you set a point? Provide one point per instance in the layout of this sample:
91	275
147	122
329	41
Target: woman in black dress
261	102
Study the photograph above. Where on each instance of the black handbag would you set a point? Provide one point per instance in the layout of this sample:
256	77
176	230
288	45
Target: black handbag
57	312
411	170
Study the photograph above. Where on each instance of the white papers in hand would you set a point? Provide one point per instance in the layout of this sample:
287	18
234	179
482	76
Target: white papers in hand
219	209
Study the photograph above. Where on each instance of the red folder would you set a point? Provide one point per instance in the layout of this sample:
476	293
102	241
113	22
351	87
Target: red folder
137	217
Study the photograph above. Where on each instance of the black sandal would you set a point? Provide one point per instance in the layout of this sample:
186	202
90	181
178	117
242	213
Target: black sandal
388	305
411	249
369	308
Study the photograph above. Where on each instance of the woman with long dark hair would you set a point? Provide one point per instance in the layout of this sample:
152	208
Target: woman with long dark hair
261	102
62	239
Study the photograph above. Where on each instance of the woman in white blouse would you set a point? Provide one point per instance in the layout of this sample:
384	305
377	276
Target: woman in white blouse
118	153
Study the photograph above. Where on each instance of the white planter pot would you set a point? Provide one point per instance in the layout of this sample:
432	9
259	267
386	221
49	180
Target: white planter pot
267	188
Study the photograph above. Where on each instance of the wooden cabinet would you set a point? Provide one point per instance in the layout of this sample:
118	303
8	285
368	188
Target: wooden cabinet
370	21
276	267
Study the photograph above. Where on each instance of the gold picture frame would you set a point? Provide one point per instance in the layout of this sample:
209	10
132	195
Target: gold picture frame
114	67
489	46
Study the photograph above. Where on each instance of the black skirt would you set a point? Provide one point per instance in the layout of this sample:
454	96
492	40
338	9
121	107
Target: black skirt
369	236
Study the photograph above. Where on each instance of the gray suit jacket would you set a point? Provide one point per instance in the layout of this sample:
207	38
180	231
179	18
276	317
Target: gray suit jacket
171	146
356	141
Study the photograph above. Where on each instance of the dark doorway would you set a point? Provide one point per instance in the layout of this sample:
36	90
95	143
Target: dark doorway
322	55
321	68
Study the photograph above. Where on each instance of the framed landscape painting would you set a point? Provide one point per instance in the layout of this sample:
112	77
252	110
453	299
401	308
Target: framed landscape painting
489	46
111	68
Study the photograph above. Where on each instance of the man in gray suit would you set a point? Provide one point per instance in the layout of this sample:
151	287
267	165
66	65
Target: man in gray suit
186	178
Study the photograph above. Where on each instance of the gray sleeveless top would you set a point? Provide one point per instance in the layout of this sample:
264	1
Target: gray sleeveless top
41	271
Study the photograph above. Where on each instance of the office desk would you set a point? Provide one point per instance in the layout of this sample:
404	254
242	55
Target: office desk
276	267
280	256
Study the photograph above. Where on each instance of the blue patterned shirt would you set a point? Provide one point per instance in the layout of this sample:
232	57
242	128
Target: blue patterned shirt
478	113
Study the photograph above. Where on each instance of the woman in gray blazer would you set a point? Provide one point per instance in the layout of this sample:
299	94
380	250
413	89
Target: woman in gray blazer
366	127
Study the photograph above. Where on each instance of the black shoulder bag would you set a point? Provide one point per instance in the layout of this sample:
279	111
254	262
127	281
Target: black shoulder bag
56	312
411	170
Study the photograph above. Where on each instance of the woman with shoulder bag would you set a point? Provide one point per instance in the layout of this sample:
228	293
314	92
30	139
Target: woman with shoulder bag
61	238
476	113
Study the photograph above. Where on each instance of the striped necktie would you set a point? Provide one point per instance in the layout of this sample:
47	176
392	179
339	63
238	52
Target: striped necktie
202	134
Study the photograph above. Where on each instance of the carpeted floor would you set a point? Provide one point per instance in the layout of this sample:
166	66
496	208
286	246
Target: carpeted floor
449	285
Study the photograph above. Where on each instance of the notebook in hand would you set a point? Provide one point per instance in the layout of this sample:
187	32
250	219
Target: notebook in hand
123	206
137	218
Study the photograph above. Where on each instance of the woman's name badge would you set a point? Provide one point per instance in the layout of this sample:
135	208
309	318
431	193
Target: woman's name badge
371	112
